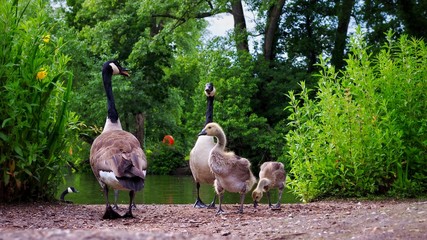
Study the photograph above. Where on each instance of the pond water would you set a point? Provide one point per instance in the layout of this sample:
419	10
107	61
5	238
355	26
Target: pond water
158	190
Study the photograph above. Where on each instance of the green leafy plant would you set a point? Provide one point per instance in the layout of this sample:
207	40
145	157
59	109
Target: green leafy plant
364	133
35	88
164	159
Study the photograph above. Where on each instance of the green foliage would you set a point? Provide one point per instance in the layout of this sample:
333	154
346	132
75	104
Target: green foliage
247	133
364	133
164	159
35	88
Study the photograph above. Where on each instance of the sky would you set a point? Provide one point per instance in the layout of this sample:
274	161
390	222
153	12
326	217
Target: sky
221	23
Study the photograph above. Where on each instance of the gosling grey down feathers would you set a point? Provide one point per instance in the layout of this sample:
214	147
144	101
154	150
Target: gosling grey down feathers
271	175
232	173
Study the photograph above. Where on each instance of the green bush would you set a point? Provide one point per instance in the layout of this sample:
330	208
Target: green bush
365	132
164	159
35	89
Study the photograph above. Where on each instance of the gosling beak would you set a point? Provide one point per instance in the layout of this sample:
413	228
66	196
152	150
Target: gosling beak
255	204
203	132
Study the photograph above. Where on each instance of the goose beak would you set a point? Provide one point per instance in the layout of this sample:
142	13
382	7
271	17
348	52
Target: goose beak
125	72
203	132
209	90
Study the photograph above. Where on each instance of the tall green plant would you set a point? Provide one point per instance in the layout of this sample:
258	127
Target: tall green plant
365	131
35	88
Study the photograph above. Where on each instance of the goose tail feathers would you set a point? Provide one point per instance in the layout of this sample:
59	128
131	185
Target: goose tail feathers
132	183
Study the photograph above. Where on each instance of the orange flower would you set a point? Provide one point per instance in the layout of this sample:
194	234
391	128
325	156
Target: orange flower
41	74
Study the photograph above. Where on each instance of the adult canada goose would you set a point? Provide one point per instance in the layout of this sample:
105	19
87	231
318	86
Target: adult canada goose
271	175
67	191
199	155
116	157
232	173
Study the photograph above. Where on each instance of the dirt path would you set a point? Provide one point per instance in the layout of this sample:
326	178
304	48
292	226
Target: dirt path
320	220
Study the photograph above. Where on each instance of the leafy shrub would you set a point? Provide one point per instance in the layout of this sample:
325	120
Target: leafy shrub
163	159
364	133
35	89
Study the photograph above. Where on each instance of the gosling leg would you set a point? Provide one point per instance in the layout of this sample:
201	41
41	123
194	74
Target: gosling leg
269	200
220	198
279	200
242	200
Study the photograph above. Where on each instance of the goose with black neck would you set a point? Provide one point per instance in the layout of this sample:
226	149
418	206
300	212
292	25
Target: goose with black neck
116	157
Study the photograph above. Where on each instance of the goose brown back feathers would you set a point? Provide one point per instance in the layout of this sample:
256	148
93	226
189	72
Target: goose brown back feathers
119	151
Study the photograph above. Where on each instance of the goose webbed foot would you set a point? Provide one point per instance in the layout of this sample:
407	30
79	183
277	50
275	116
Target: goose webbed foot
275	207
110	213
220	211
240	211
211	206
255	204
199	204
128	214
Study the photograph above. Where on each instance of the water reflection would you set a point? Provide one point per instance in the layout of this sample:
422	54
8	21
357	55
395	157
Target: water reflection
158	190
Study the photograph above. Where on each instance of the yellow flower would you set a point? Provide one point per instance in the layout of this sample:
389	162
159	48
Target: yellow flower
46	38
41	74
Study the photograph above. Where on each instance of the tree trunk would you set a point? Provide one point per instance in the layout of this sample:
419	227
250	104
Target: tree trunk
140	133
344	14
413	16
312	52
240	31
271	27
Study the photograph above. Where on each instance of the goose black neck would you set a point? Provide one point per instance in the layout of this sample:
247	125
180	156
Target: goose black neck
112	112
209	109
63	194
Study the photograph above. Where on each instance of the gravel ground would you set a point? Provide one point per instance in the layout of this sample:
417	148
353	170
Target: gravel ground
319	220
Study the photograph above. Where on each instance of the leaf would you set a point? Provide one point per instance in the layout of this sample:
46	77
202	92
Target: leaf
5	122
4	137
18	150
28	172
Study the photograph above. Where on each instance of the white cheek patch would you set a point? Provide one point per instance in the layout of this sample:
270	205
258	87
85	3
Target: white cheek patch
115	68
110	179
69	190
212	93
